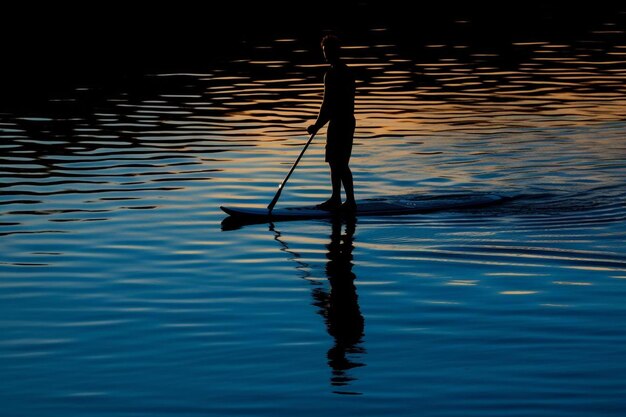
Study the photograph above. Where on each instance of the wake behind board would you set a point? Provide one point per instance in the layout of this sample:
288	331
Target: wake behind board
392	206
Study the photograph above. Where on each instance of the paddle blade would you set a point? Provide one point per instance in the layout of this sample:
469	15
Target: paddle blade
271	205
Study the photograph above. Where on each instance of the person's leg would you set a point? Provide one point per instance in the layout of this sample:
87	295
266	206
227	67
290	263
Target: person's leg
348	186
335	178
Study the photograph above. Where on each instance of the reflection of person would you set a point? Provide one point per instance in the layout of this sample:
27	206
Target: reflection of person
341	309
338	110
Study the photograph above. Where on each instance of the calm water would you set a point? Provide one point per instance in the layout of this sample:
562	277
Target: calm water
122	295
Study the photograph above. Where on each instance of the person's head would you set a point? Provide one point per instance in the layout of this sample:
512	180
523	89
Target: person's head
331	47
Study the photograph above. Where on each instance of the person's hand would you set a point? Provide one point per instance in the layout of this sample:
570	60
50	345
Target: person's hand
312	129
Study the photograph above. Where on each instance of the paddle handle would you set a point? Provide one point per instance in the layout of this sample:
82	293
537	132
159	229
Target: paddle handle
293	167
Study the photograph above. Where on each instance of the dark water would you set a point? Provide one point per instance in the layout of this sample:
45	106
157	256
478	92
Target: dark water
121	295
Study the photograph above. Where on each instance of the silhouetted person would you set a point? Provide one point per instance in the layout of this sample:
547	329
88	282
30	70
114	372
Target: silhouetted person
338	111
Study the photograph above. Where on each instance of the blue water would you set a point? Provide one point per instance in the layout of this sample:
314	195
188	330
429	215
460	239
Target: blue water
122	295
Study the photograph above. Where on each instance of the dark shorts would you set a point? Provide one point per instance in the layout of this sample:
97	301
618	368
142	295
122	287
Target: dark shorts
339	139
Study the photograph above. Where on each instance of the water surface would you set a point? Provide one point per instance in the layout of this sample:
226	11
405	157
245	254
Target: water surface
121	295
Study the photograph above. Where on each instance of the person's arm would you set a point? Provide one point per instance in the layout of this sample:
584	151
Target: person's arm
324	115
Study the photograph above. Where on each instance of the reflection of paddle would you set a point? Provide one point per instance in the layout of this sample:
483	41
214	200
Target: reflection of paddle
282	184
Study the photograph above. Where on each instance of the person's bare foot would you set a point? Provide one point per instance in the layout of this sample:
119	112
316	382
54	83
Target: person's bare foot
349	206
330	204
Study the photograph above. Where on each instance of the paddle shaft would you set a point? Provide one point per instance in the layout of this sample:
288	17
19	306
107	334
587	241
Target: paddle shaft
293	167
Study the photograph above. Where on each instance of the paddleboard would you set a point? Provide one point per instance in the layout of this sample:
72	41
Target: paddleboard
390	206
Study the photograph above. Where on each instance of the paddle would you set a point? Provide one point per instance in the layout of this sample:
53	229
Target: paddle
282	184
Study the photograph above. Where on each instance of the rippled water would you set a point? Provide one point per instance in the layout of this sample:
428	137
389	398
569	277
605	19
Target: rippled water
122	295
